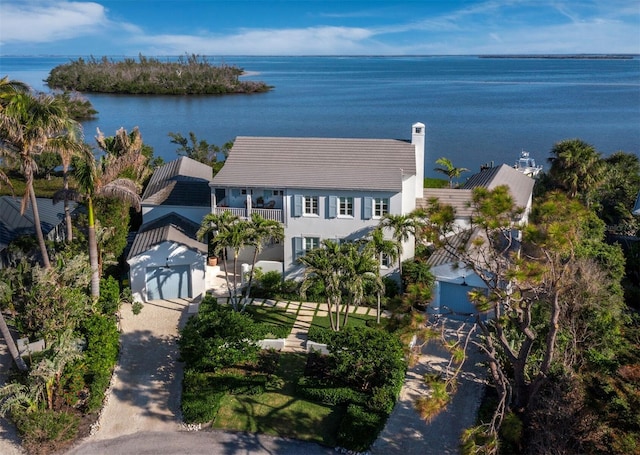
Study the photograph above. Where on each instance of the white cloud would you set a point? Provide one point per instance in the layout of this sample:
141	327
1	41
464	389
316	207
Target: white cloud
313	40
45	21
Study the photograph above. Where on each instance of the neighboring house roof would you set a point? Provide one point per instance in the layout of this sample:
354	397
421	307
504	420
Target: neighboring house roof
520	185
636	207
447	255
169	228
459	199
182	182
318	163
13	224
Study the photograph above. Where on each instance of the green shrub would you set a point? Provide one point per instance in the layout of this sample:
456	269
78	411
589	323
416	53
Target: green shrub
326	392
382	399
391	287
218	337
201	406
320	334
359	428
45	427
73	381
269	284
109	301
103	341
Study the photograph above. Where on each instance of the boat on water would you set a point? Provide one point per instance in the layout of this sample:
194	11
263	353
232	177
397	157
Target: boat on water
527	165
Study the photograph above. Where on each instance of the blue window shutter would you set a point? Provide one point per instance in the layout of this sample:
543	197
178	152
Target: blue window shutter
297	204
367	208
297	247
333	206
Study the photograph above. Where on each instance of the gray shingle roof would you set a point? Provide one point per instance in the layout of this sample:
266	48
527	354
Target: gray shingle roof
457	198
318	163
169	228
13	225
520	185
180	182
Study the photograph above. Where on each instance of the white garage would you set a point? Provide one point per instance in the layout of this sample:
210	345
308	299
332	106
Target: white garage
166	261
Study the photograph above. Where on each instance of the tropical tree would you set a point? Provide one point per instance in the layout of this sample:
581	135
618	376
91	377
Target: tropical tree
576	168
30	125
359	267
228	232
261	231
449	169
380	247
402	228
323	265
102	178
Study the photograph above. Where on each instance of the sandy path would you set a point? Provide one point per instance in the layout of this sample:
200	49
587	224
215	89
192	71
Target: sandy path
146	387
406	433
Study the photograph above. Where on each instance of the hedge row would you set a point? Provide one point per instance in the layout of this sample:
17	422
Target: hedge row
360	427
203	392
323	392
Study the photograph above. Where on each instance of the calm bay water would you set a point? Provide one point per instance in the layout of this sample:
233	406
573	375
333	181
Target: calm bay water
476	110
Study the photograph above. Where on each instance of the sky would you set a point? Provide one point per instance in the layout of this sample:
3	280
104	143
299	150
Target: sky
314	27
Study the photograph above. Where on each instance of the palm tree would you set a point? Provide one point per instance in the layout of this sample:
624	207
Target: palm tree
379	247
576	167
30	125
359	266
402	227
261	231
321	264
5	293
102	178
228	231
449	169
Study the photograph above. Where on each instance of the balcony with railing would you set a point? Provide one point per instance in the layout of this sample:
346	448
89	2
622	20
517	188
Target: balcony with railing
245	207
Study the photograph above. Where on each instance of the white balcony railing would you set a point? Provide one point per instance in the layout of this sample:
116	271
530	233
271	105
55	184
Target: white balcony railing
268	214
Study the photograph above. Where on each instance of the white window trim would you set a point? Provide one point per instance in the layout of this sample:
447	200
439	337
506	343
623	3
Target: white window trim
378	203
339	208
304	206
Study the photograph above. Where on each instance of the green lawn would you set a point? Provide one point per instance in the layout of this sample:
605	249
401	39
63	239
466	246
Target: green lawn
355	320
272	315
279	412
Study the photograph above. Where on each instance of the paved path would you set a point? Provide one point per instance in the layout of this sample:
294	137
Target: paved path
406	433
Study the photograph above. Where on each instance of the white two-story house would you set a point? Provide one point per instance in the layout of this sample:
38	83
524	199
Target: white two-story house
321	188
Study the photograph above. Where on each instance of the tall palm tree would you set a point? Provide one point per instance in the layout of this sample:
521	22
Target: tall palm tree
260	232
379	247
102	178
29	125
359	267
449	169
402	228
321	264
229	232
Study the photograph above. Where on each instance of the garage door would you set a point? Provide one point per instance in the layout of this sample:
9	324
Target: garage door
168	282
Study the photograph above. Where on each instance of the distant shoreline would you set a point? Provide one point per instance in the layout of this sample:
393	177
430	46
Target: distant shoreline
562	57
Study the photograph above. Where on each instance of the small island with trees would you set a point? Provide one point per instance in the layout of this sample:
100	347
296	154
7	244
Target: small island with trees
189	75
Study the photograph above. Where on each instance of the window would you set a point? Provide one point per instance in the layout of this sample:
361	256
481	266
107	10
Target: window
380	207
301	245
345	206
311	205
310	243
385	261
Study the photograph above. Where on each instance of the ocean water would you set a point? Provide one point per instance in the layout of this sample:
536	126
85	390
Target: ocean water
476	110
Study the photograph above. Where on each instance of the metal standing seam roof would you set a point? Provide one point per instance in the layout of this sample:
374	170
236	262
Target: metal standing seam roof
182	182
447	255
12	224
520	185
317	163
169	228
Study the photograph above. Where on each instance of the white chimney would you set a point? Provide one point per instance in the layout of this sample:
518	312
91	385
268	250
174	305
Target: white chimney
417	139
